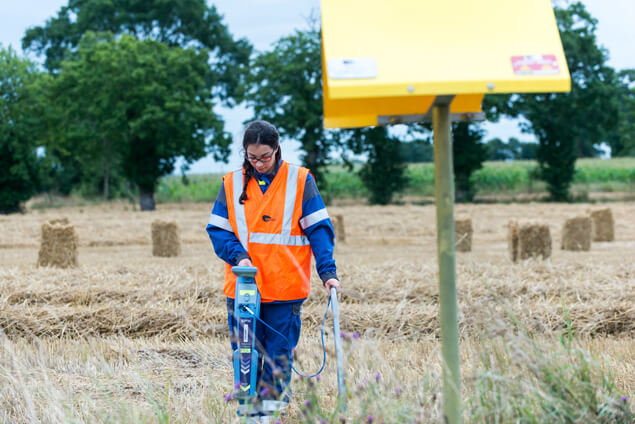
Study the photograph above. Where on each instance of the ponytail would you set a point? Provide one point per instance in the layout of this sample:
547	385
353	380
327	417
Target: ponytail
249	172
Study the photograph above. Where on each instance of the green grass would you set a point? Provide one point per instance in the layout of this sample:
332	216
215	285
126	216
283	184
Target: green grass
199	188
592	175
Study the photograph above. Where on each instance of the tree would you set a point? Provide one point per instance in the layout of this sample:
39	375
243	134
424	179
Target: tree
189	24
497	149
137	105
570	125
622	137
18	130
384	173
414	151
467	150
469	153
287	90
183	23
513	149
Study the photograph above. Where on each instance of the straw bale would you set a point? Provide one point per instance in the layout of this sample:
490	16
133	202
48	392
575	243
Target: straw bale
463	234
512	239
603	228
59	243
62	221
576	234
534	239
165	239
338	226
528	239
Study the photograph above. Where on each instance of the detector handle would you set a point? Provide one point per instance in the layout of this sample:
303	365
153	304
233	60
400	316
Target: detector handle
341	384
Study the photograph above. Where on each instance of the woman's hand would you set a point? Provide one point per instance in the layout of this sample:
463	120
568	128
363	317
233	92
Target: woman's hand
245	262
332	282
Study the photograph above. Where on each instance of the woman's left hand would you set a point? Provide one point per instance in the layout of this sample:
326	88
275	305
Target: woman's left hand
332	282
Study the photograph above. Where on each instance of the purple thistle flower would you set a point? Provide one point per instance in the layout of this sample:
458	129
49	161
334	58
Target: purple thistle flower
228	397
356	335
318	377
307	402
343	335
397	391
278	422
264	392
624	399
236	386
377	377
370	418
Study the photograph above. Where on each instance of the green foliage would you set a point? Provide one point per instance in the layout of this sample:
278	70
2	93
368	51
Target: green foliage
469	154
183	23
383	174
199	188
467	149
287	91
19	123
513	149
417	151
570	125
622	137
345	183
494	178
143	102
133	107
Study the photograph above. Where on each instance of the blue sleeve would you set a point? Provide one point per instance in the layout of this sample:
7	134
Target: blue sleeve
318	228
225	242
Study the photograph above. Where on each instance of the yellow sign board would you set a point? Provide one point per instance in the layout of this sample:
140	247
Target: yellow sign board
387	61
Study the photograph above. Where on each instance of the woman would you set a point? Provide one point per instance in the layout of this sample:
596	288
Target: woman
270	215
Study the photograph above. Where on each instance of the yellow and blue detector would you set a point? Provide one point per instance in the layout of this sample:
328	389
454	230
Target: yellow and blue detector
246	311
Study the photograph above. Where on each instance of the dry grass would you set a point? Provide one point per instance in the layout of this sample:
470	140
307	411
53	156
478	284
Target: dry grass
127	337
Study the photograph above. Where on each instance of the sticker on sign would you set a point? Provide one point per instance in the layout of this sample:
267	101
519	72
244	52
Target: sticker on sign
352	68
535	64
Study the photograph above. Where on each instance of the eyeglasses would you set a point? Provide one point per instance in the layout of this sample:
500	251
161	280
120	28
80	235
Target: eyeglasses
263	159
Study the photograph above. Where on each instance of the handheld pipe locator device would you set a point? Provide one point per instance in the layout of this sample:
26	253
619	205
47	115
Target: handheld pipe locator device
246	311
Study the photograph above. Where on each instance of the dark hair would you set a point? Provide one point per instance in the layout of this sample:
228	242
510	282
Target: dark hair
258	132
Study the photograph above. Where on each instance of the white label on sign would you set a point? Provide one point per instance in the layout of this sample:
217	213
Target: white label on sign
352	68
246	333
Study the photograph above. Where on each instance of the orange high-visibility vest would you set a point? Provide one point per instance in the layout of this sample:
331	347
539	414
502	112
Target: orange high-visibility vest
268	227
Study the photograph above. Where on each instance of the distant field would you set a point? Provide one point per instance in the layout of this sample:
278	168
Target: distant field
511	178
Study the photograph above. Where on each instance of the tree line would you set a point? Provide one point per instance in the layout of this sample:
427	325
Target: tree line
128	87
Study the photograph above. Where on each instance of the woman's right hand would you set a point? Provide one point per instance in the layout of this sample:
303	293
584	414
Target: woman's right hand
245	262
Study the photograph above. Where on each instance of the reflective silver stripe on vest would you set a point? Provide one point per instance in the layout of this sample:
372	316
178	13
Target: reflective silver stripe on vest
241	220
284	238
264	238
220	222
289	199
313	218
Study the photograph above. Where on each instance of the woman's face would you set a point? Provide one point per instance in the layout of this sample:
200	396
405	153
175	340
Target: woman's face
261	157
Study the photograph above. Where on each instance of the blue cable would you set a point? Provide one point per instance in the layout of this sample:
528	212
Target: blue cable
289	343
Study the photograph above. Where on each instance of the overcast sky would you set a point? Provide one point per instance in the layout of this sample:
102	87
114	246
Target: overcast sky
264	21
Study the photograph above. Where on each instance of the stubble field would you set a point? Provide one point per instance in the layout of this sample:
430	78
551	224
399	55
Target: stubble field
128	337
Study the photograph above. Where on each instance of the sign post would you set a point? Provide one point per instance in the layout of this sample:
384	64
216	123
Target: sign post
444	195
